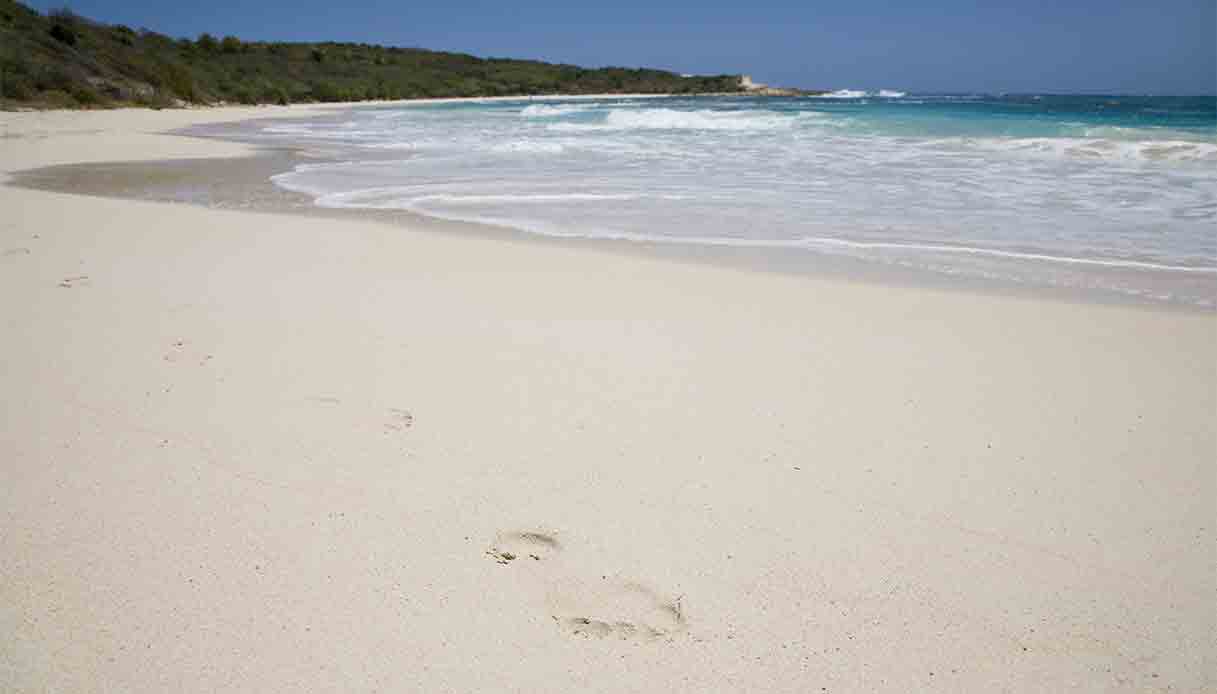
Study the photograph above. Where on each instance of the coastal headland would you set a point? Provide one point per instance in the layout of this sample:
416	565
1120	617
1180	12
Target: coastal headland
64	60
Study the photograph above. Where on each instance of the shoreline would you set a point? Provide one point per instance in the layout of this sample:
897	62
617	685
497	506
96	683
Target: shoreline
270	452
258	194
249	189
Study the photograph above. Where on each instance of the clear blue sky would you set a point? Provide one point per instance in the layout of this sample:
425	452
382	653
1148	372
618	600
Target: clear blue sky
1112	46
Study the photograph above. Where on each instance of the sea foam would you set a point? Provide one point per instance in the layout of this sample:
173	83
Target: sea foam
862	94
985	186
553	111
844	94
671	119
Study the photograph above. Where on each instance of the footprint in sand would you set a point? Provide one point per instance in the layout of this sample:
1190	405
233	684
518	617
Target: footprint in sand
180	351
622	610
176	351
392	421
399	420
15	251
533	546
592	607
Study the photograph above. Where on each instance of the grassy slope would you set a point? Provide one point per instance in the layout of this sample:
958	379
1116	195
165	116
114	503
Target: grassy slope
63	60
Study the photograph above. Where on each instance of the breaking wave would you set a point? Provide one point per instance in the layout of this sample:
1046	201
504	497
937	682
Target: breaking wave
1103	148
671	119
862	94
529	146
553	111
844	94
1059	188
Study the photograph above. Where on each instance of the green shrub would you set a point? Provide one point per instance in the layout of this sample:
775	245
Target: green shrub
86	96
63	34
272	94
124	35
54	78
57	98
37	66
17	87
154	100
181	83
299	93
328	92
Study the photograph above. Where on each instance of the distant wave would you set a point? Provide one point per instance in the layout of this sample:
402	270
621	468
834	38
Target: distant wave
552	111
529	147
391	145
844	94
670	119
1104	148
862	94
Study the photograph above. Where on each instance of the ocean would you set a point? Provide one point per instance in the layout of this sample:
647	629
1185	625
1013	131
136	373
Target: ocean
1116	194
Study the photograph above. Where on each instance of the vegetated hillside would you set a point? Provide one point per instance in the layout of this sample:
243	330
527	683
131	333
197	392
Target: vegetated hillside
63	60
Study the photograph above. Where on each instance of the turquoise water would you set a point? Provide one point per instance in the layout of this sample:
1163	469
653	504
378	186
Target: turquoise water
1128	117
1114	193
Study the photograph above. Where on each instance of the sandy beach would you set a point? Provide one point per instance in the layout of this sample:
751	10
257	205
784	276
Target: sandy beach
256	452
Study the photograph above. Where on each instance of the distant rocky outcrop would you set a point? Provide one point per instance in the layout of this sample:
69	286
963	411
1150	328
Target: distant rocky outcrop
752	88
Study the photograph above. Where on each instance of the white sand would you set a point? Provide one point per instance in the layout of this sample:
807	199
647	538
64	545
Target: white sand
270	453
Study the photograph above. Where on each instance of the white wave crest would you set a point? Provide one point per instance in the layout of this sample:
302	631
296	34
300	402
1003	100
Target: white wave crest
529	147
845	94
391	145
670	119
408	198
344	131
287	129
552	110
1104	148
863	94
515	199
